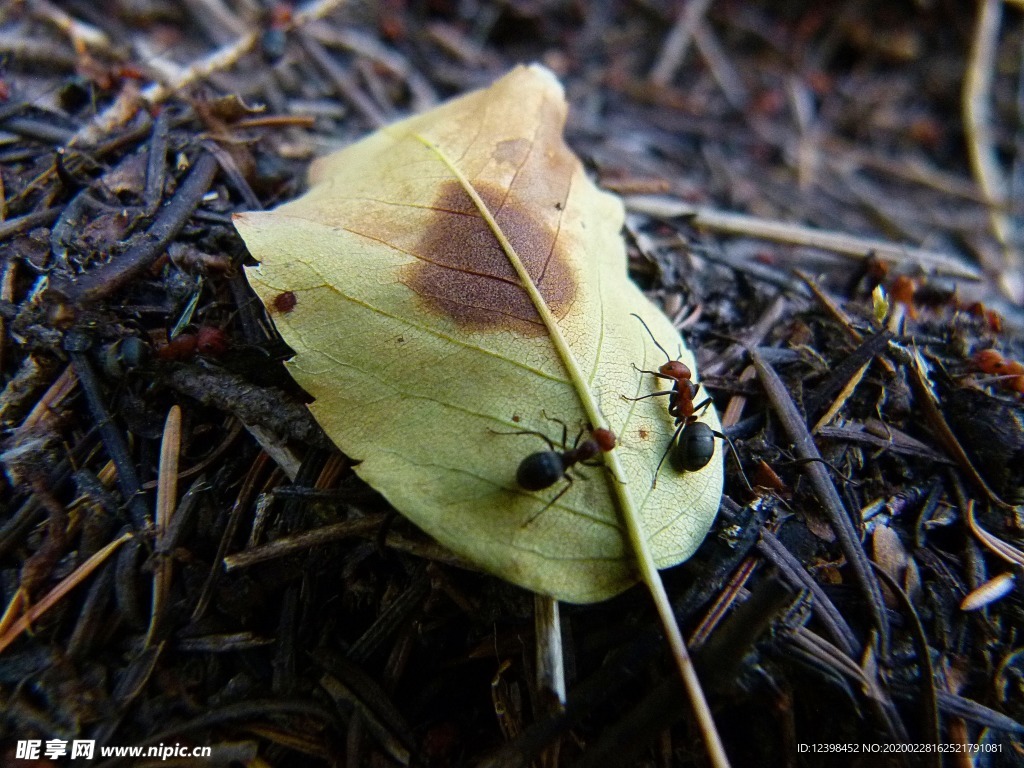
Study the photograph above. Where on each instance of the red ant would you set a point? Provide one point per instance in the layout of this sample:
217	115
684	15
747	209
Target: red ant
694	440
543	469
992	362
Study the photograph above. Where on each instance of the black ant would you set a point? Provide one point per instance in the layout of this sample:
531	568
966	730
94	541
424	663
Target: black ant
694	440
543	469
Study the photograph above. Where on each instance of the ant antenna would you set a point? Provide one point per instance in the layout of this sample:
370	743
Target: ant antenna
646	328
565	431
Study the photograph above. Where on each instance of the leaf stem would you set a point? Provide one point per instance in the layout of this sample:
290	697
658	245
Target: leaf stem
630	514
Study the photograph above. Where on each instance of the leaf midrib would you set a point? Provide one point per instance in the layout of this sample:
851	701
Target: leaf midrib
630	513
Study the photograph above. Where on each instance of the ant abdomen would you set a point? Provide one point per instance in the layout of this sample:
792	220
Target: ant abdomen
695	449
540	470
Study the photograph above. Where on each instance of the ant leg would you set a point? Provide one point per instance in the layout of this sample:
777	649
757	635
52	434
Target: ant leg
830	465
541	435
702	406
545	508
664	456
732	447
644	397
565	429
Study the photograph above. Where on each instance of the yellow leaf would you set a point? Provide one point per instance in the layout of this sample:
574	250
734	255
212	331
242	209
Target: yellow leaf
456	276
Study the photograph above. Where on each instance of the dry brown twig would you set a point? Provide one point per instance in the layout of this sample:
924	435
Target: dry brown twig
550	660
796	234
166	499
82	35
981	65
55	595
678	41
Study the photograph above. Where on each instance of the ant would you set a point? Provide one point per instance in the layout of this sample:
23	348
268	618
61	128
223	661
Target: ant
543	469
992	362
694	440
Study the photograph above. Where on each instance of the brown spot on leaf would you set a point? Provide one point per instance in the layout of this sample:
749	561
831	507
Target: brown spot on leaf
284	302
462	271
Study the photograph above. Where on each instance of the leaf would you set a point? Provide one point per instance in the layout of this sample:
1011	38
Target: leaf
454	277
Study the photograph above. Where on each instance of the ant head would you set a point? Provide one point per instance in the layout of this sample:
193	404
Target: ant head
990	361
674	369
604	438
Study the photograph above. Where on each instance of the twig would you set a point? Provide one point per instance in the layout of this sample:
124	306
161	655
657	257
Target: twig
804	448
342	80
674	50
242	502
775	551
724	602
550	661
400	611
217	20
76	344
31	50
56	594
253	405
842	159
797	234
994	544
105	280
82	35
981	65
898	442
166	499
29	221
837	312
958	706
234	175
722	70
299	542
929	698
834	660
57	393
843	379
38	130
156	162
365	46
926	400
